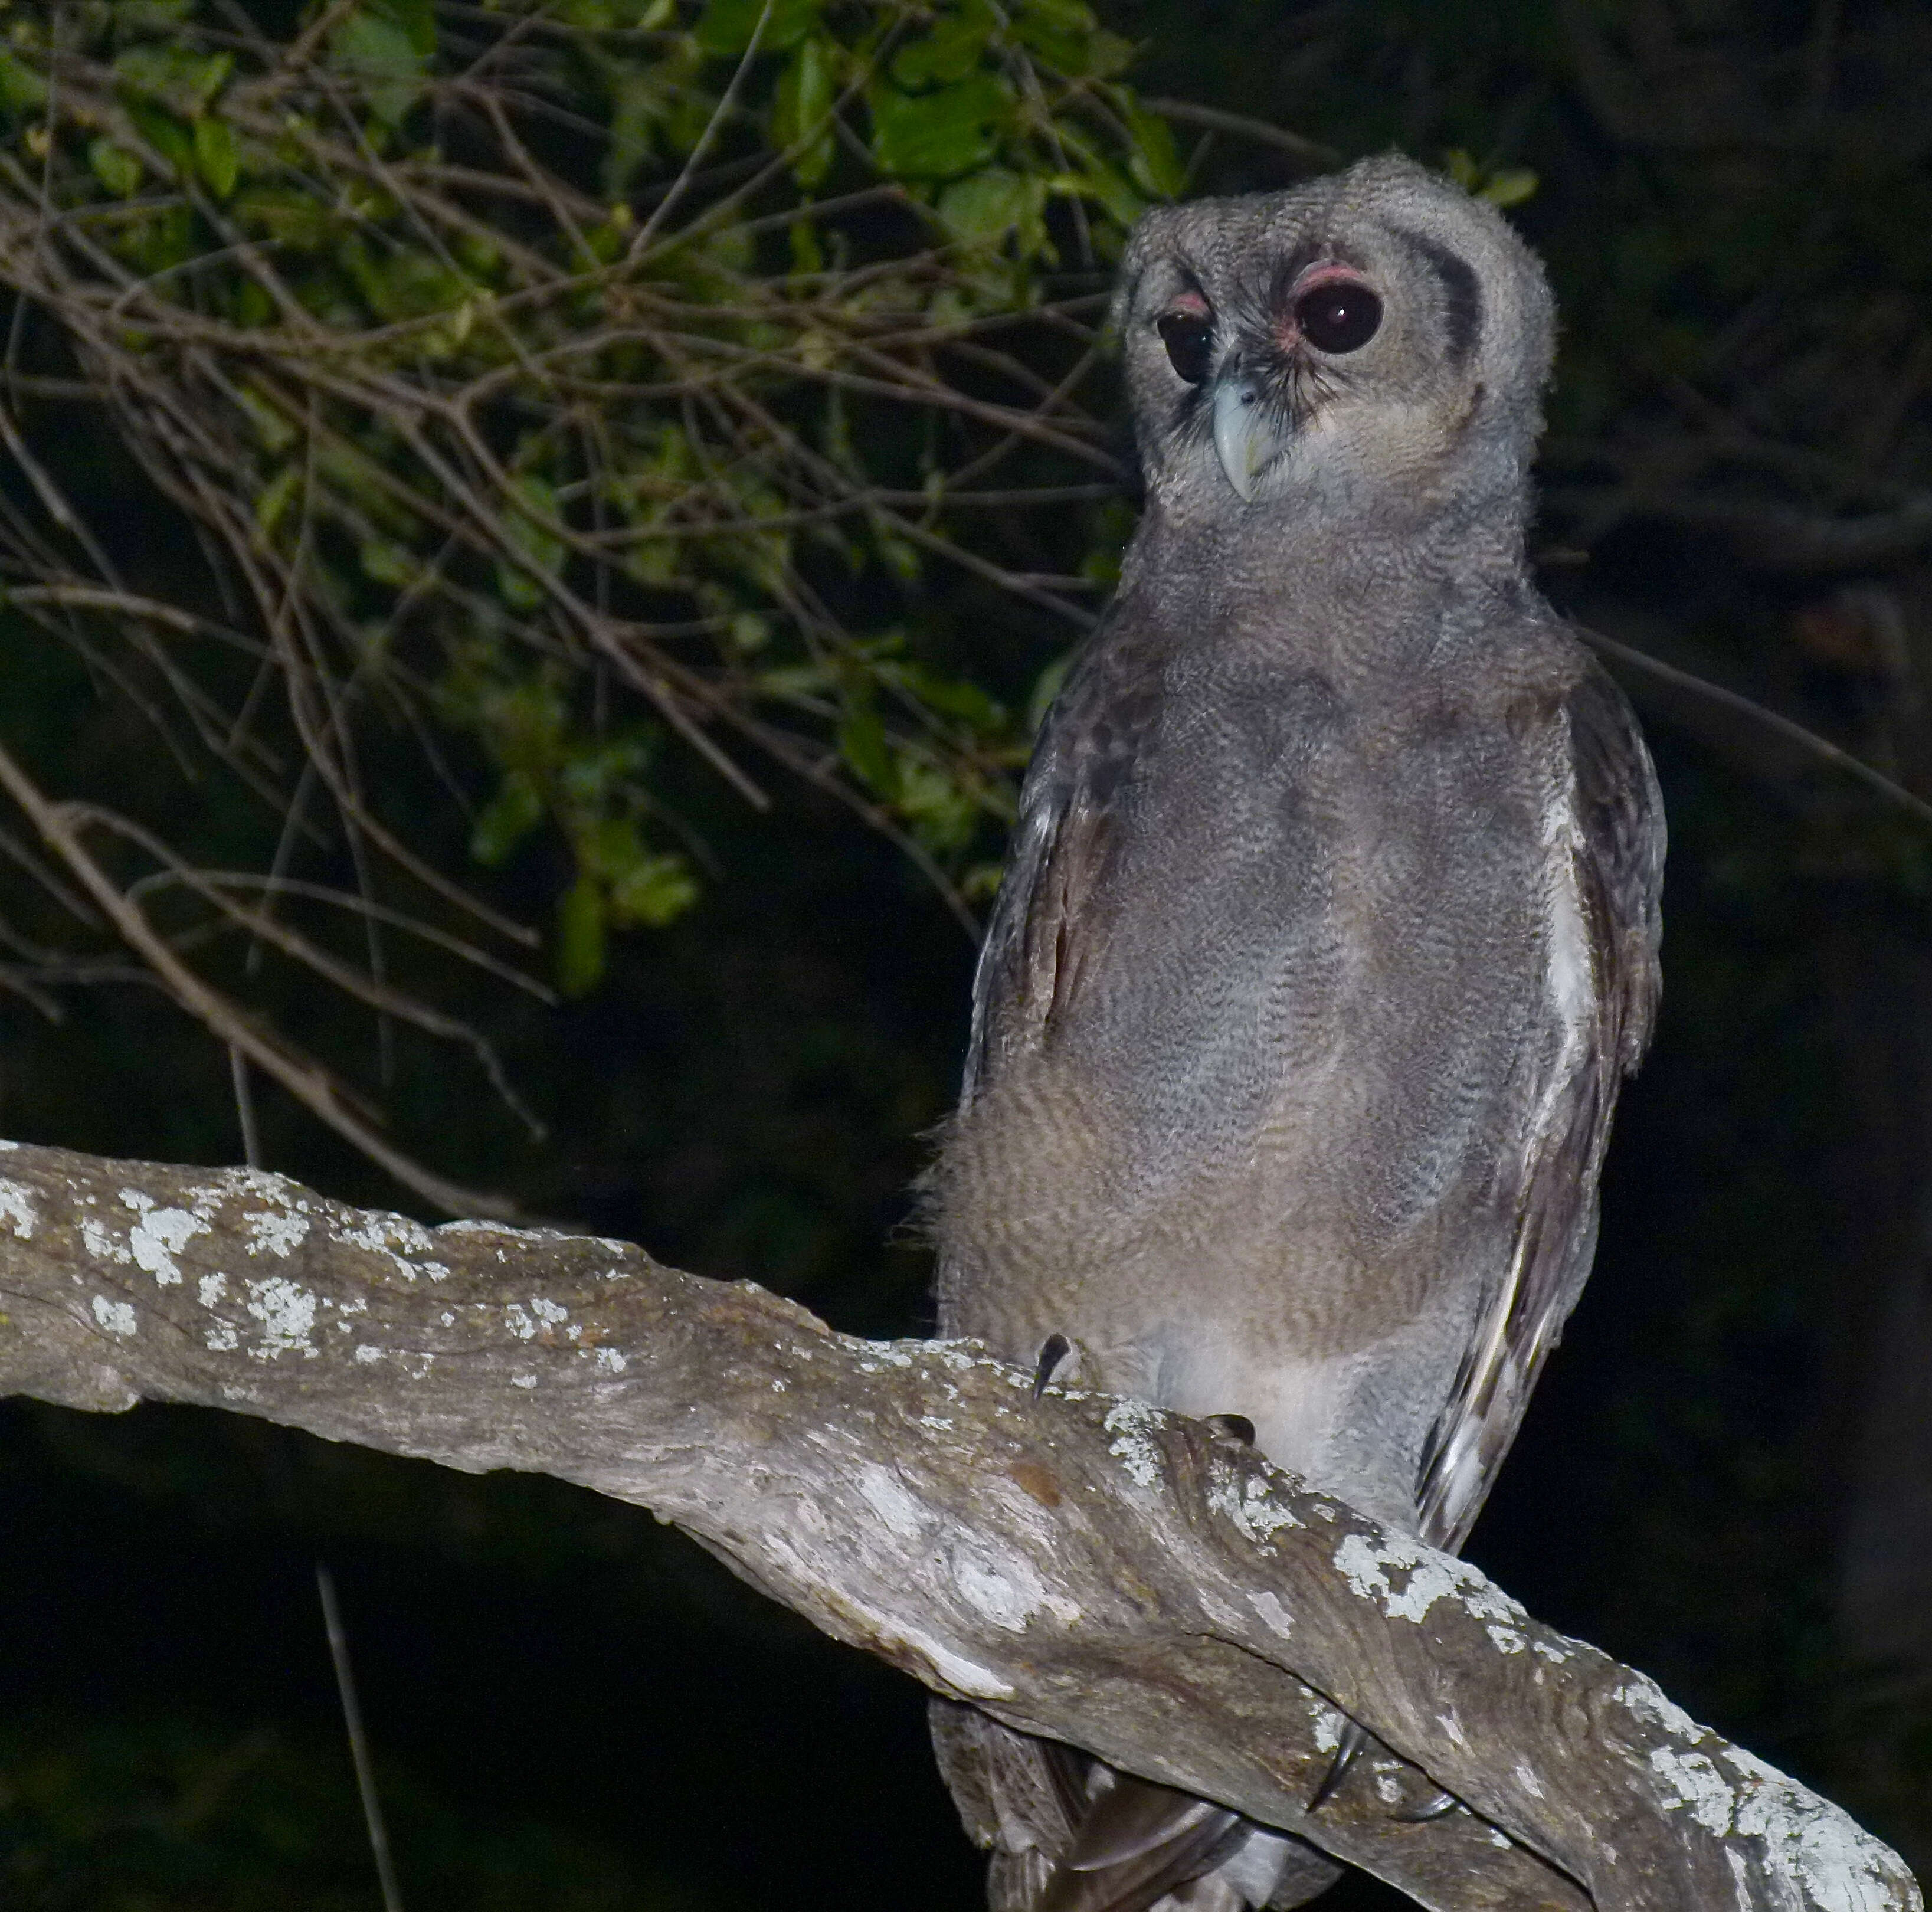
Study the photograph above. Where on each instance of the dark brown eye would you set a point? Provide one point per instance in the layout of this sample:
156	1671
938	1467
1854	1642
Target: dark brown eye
1342	316
1190	340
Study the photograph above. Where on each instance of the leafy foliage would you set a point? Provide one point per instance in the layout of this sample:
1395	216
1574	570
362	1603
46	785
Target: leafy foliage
563	385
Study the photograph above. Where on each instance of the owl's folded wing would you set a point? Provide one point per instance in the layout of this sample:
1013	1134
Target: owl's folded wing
1611	829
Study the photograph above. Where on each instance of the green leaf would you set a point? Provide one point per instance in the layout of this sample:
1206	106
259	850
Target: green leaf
417	19
580	939
951	51
862	742
802	106
168	136
936	136
276	496
381	57
506	820
290	218
386	563
654	890
726	26
215	156
984	208
1065	35
186	82
116	168
1510	186
1155	162
21	89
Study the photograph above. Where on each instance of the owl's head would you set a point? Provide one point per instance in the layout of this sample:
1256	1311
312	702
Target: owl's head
1378	335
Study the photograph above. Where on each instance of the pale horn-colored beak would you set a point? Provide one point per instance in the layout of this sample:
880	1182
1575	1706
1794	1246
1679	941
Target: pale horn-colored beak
1244	437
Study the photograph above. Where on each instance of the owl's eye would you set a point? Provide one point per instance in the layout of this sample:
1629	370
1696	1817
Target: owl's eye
1190	340
1342	316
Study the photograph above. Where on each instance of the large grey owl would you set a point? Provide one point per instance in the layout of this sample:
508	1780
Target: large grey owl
1329	931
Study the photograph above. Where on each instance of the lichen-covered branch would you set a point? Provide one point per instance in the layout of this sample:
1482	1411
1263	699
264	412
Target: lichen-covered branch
1086	1568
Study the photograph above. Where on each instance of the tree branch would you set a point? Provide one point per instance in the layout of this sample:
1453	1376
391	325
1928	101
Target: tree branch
1092	1569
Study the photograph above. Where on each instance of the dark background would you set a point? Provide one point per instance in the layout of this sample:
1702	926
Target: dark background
1726	1476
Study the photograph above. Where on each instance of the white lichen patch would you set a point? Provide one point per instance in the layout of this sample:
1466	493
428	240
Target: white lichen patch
517	1319
1691	1782
159	1234
1551	1652
1529	1781
1274	1616
611	1360
1831	1859
279	1232
223	1338
549	1313
98	1242
16	1208
1655	1707
287	1315
523	1380
263	1185
116	1317
939	1424
1328	1725
1133	1424
396	1238
1366	1563
1250	1504
367	1354
1451	1725
211	1288
1507	1639
383	1234
1389	1788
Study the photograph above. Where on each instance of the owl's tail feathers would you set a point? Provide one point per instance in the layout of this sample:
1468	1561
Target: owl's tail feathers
1134	1843
1069	1834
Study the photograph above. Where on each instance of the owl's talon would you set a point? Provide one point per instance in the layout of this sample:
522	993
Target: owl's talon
1053	1351
1353	1738
1442	1803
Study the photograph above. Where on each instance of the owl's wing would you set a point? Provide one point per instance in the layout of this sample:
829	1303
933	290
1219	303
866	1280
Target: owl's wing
1609	825
1043	922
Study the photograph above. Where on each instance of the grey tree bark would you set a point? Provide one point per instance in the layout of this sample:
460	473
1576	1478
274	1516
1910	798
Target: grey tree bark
1089	1569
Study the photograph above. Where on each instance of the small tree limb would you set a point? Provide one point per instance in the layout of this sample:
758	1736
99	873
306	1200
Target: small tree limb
1092	1569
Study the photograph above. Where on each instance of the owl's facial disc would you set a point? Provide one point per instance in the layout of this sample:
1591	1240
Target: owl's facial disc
1329	313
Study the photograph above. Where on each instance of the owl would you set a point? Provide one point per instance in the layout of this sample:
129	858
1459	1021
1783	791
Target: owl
1328	932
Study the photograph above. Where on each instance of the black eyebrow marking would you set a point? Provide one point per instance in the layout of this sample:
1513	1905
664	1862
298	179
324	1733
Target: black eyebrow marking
1462	291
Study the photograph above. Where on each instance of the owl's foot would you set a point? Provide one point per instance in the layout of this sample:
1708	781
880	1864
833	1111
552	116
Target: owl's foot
1443	1802
1353	1738
1233	1427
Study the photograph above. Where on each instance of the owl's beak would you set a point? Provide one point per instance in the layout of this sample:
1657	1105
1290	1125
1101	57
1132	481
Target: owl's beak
1244	435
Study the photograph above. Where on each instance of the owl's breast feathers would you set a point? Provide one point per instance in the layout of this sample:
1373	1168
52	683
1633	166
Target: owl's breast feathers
1306	1001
